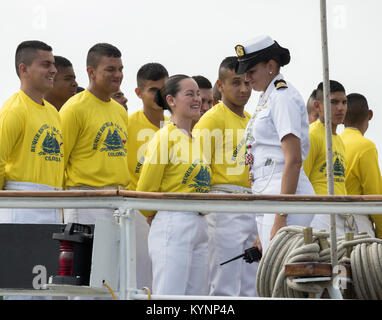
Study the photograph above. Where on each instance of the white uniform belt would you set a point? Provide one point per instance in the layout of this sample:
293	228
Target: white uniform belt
20	185
94	188
230	188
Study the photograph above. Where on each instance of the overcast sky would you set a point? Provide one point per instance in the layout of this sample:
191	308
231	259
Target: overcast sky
193	37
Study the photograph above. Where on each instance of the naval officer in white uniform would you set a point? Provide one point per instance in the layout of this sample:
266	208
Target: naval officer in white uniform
277	136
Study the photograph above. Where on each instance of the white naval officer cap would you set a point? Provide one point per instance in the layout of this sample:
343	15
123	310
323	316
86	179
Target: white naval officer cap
259	49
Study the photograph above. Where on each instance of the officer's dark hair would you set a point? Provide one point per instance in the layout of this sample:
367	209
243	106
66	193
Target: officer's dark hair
100	50
170	87
357	111
228	63
202	82
277	59
62	62
152	71
335	86
26	52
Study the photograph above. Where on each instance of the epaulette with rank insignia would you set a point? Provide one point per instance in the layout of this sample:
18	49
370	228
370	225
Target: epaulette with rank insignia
280	83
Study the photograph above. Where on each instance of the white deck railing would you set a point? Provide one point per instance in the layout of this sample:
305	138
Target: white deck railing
126	201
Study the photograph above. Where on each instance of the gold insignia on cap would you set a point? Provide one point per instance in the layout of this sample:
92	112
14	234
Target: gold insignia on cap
239	50
280	83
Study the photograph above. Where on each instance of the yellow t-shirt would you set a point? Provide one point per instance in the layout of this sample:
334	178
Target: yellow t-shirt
31	148
173	164
315	163
95	136
220	133
140	131
363	175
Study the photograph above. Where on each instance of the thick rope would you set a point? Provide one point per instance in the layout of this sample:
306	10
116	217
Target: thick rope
288	246
366	266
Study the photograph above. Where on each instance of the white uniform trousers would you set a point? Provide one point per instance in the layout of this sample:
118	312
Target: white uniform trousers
344	223
35	216
229	235
178	251
89	216
21	215
271	184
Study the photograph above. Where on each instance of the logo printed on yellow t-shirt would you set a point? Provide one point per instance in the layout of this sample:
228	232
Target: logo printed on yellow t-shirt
115	139
50	146
139	165
338	167
202	181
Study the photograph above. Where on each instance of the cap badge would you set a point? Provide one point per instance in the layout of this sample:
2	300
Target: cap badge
280	83
239	50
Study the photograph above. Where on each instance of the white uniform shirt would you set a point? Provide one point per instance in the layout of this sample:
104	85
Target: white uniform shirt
282	112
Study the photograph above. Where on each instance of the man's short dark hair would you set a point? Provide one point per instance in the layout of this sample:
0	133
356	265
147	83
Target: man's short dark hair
313	95
100	50
335	86
61	62
309	103
357	111
27	50
202	82
216	93
152	71
227	63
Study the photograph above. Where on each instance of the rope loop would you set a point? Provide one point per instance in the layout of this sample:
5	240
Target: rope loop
288	246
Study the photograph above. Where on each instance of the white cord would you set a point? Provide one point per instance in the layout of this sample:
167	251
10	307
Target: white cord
269	180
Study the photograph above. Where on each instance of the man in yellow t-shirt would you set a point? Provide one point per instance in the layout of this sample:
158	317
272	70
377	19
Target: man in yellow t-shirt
312	111
315	163
31	148
221	133
143	124
95	132
363	175
119	96
206	93
65	85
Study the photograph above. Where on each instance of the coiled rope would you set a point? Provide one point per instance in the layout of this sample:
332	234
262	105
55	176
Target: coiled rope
366	266
288	246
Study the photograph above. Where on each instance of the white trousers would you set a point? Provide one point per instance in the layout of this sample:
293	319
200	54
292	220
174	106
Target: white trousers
89	216
272	185
178	251
20	215
229	235
35	216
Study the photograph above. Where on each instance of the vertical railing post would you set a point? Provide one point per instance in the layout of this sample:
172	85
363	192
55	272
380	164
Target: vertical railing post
122	256
128	278
328	129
